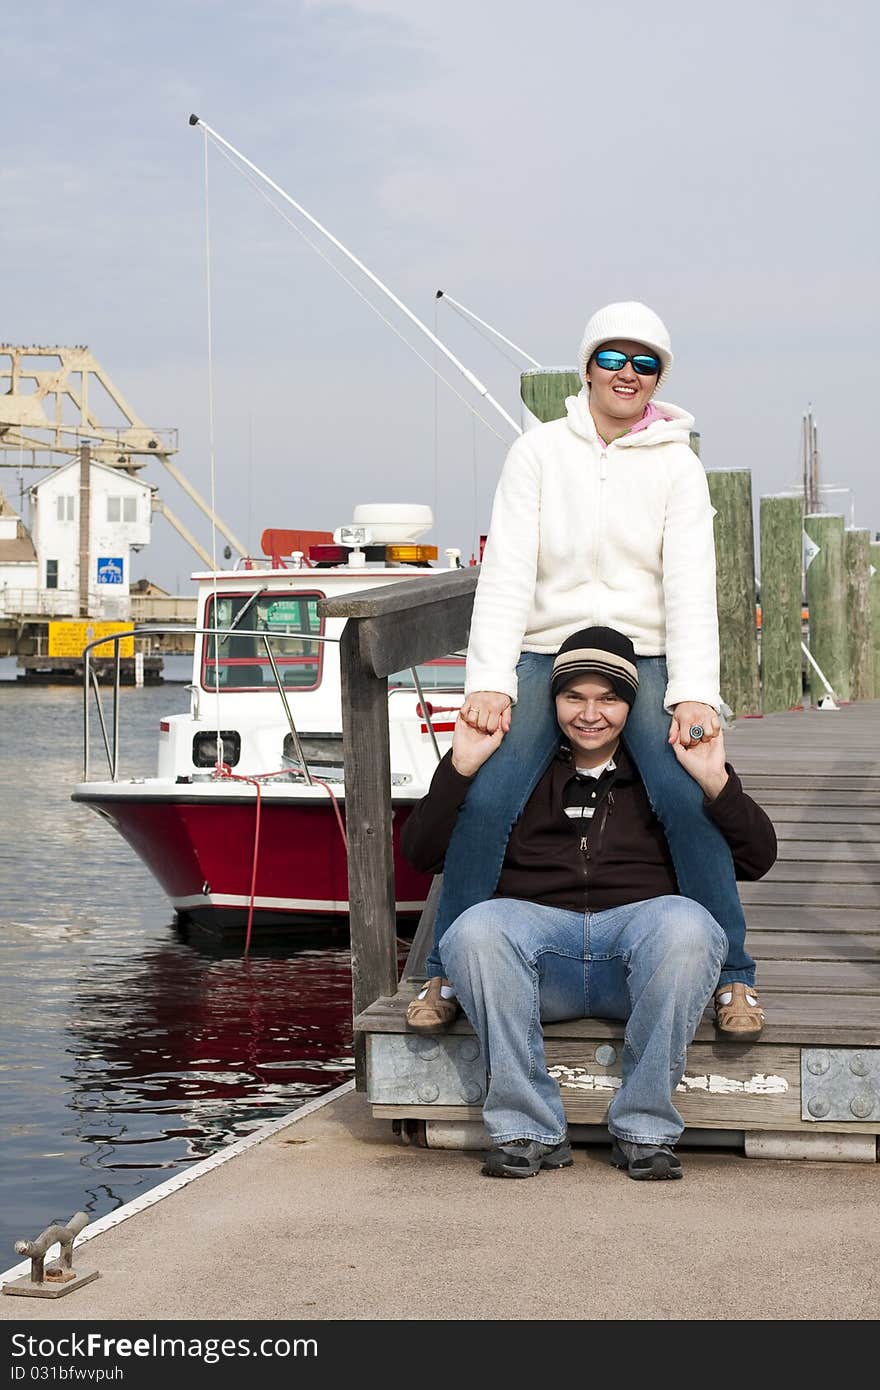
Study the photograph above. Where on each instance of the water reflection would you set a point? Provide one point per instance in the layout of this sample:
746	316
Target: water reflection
128	1049
197	1050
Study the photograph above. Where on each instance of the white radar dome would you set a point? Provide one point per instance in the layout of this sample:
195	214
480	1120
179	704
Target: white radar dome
394	523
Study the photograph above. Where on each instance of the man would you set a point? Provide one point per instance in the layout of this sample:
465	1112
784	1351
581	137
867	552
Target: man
587	919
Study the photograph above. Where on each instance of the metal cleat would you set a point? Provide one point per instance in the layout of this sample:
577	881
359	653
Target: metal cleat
60	1277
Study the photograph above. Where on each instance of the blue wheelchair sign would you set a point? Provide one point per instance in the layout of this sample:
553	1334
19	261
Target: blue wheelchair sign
110	569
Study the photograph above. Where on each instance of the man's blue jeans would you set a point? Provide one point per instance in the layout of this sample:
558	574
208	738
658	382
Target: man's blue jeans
514	964
495	800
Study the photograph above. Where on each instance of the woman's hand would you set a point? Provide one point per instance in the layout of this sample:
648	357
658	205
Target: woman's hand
685	716
705	763
471	748
487	711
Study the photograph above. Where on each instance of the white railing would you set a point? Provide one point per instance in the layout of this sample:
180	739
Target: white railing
61	603
163	608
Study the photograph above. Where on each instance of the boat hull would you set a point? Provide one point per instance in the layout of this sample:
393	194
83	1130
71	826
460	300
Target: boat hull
200	848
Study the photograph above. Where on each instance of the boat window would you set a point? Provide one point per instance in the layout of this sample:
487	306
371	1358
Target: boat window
444	673
241	659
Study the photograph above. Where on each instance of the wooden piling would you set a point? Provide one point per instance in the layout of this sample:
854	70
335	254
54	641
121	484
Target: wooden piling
781	524
731	493
826	600
856	564
544	389
874	589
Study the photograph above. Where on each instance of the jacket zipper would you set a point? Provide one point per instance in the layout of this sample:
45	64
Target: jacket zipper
603	474
606	811
586	853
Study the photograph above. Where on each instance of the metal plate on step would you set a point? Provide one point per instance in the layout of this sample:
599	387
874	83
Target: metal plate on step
408	1069
840	1083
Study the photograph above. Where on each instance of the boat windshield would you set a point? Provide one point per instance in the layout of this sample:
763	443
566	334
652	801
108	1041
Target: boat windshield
445	673
241	660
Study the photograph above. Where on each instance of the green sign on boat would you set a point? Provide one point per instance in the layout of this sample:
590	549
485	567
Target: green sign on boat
292	612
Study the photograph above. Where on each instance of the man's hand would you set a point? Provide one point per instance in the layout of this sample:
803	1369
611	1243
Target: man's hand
470	748
487	710
688	713
705	763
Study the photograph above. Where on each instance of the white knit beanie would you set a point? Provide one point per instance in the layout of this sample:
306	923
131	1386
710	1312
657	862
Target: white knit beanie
630	320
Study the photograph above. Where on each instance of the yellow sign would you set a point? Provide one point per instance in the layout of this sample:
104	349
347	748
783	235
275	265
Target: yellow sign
69	639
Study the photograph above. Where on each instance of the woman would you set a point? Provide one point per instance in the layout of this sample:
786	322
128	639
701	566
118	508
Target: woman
601	518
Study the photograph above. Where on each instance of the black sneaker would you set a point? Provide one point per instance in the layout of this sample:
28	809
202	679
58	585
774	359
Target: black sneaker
645	1160
522	1158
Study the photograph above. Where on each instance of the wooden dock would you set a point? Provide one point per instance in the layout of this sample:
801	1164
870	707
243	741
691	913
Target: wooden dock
808	1086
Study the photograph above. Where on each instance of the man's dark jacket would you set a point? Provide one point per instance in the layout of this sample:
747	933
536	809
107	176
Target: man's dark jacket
619	857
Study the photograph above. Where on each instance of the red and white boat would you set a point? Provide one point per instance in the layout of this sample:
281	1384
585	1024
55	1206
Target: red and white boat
245	839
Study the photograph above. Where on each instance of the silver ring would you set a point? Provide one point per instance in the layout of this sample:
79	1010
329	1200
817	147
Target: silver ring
696	732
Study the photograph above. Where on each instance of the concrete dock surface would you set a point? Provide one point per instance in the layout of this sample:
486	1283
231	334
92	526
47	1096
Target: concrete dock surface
332	1218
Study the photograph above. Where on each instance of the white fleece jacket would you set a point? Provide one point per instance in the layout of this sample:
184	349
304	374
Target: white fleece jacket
618	535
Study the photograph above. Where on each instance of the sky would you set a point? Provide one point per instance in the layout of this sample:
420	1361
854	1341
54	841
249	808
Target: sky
534	161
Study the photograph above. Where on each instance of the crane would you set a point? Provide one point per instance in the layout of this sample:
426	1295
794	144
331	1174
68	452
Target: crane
49	408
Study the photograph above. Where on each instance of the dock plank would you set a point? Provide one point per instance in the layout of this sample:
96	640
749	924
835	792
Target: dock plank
802	946
809	976
837	895
854	834
821	814
839	851
827	1019
770	916
825	870
789	796
758	782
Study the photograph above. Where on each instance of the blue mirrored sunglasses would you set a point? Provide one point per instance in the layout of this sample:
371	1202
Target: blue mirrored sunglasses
643	362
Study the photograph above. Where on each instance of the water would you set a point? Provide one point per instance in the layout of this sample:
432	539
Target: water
127	1051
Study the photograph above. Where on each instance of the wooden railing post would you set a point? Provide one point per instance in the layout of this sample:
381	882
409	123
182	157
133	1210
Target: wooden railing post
856	565
826	600
544	390
781	579
874	558
366	758
731	493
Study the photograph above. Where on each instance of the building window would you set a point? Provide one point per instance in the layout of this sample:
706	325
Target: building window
65	508
51	574
122	509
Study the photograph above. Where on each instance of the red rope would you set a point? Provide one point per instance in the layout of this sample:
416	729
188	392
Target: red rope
329	790
224	771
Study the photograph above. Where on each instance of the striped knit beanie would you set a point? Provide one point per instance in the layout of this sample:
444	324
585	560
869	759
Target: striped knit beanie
600	651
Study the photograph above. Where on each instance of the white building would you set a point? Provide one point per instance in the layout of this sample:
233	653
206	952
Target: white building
119	515
18	559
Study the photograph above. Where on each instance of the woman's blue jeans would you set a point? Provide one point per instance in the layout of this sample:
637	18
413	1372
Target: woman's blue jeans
516	964
495	800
